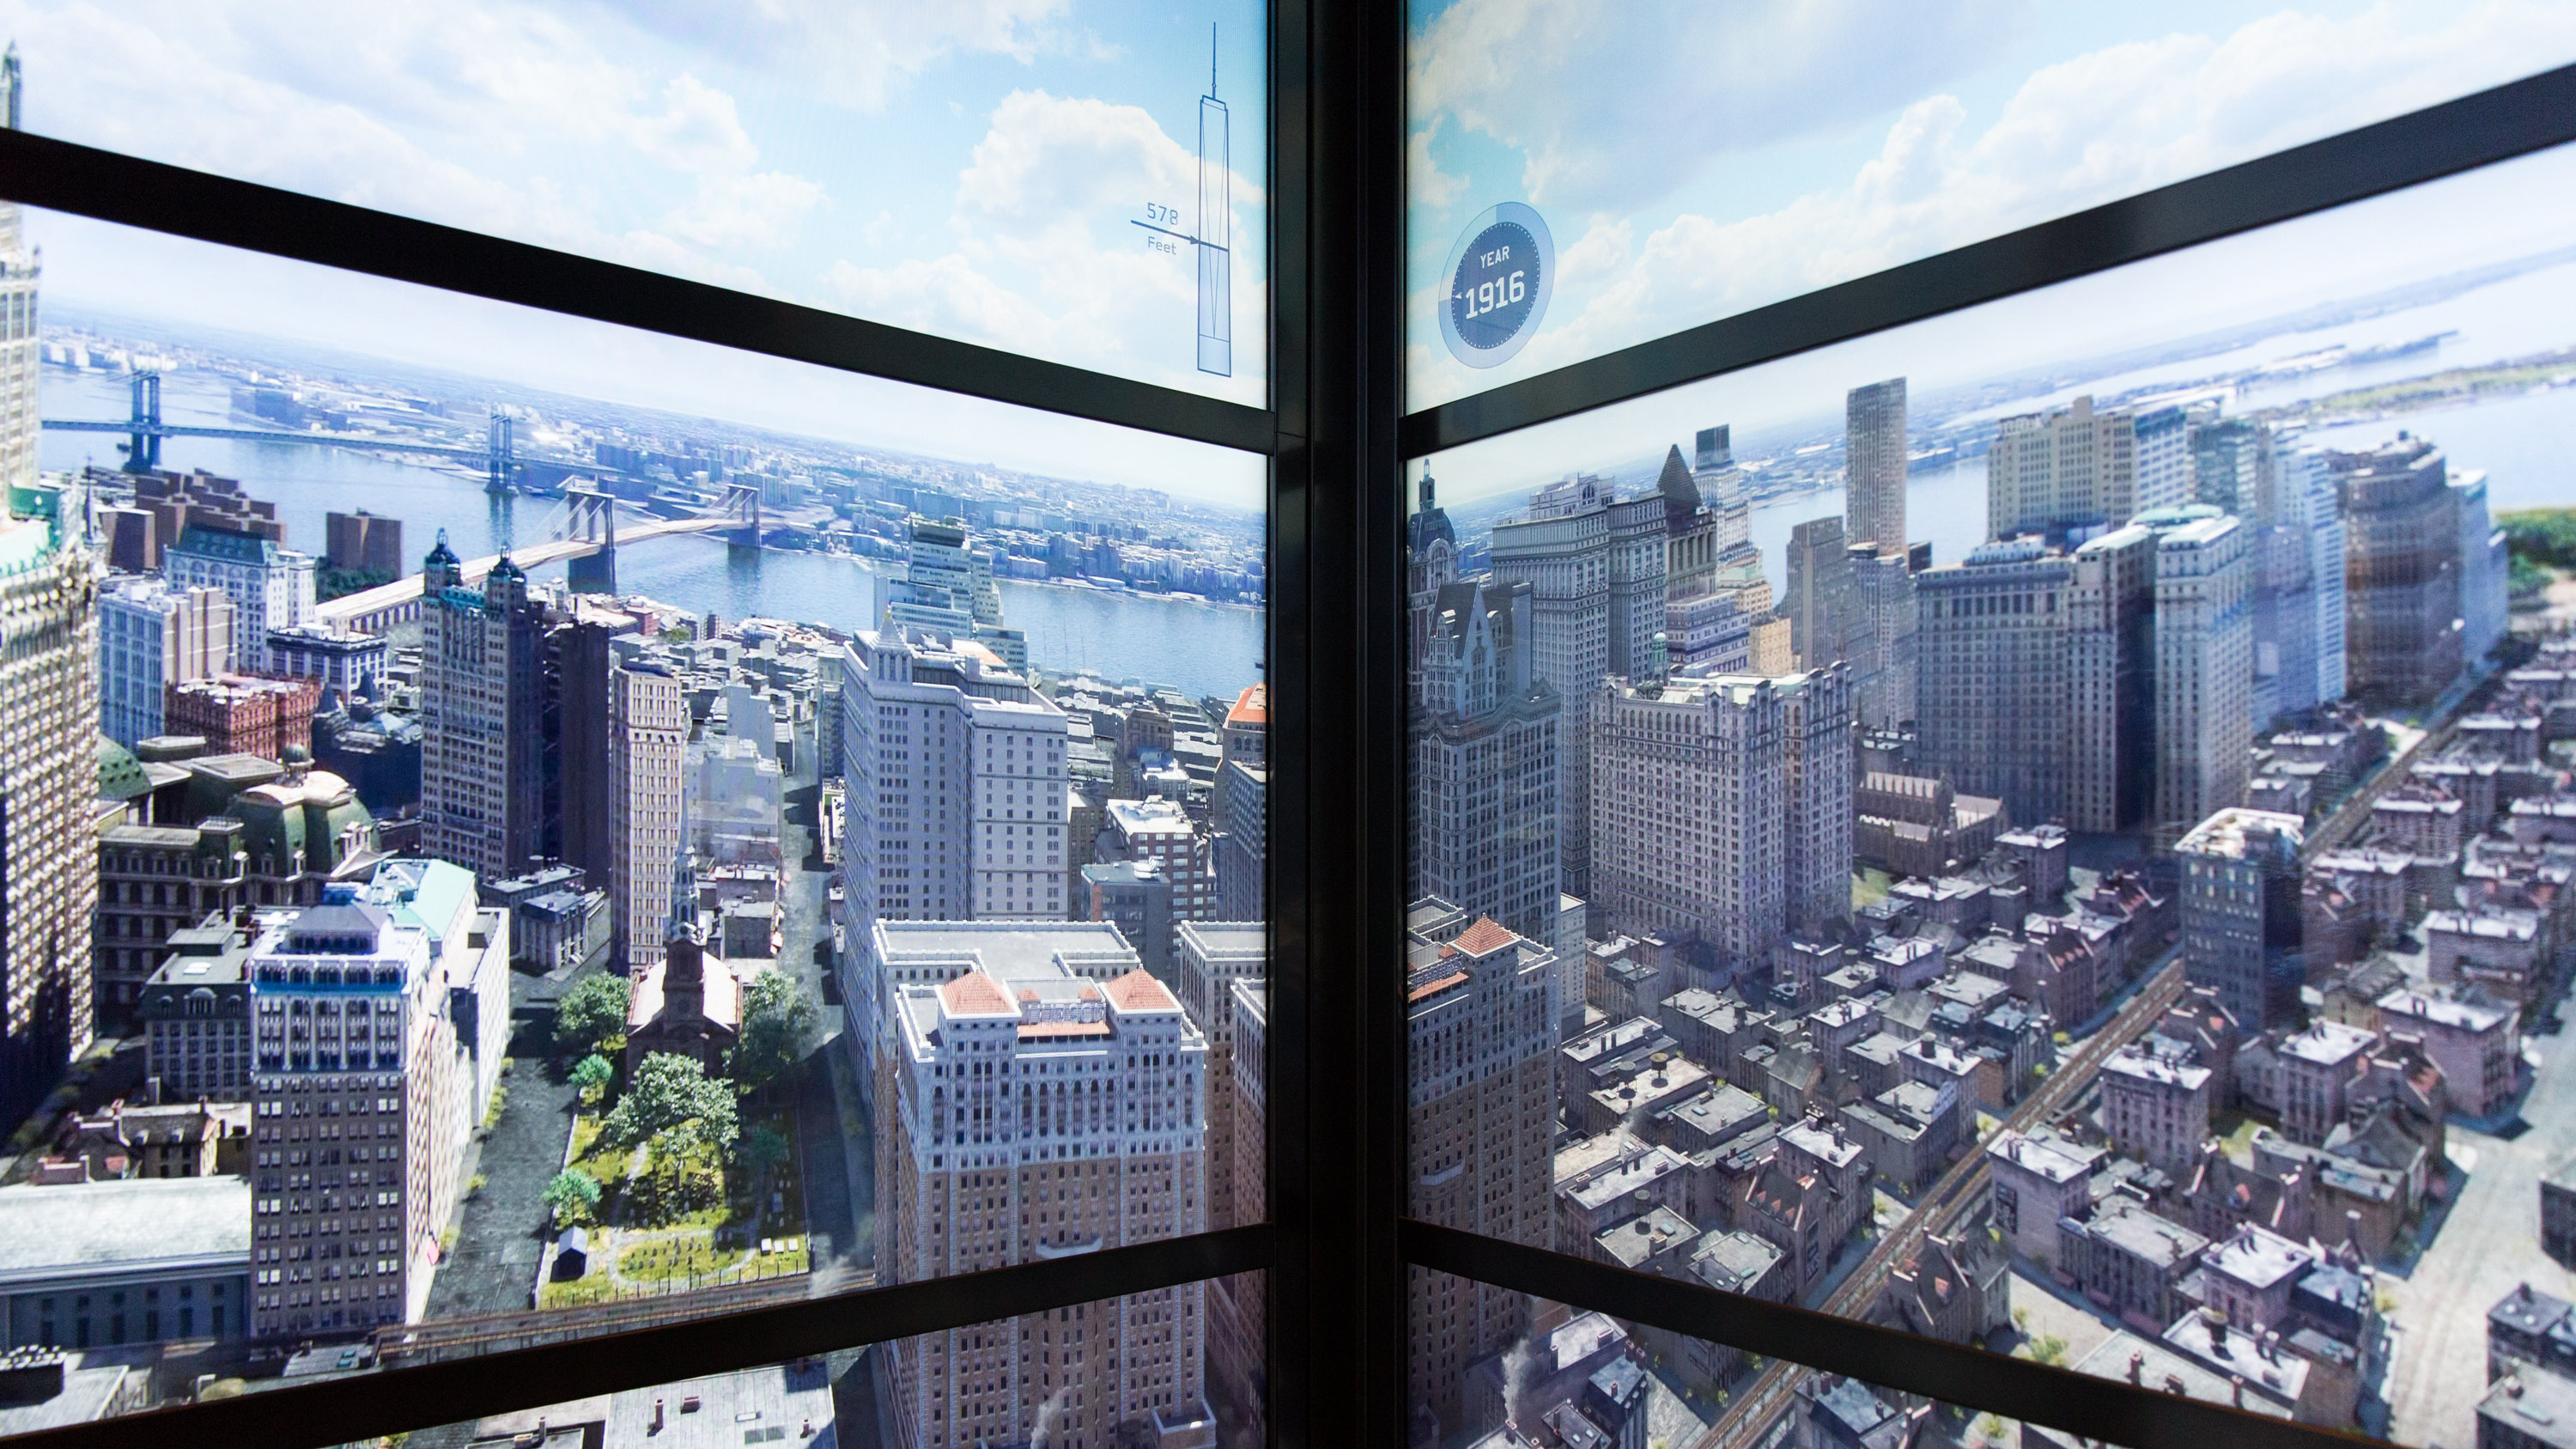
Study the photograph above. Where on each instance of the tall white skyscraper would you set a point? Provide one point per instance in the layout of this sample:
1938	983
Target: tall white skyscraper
2164	458
152	636
2305	470
1087	1087
1722	807
2204	664
2483	566
957	806
1874	465
271	585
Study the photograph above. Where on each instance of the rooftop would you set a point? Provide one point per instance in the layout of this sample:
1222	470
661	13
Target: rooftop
2258	1257
2466	1014
46	1232
2533	1402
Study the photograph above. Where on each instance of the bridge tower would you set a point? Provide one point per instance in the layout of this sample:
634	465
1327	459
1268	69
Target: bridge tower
502	455
591	514
742	501
143	447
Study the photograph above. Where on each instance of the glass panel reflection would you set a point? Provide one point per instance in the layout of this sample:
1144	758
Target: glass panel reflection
1141	1370
1576	187
517	828
1085	186
2047	808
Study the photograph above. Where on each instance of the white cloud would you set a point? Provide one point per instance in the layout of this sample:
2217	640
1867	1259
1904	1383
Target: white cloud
1046	260
498	117
2091	129
1424	182
854	55
1614	106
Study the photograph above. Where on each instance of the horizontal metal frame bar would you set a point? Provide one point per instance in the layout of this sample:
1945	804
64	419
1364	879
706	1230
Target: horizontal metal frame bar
2105	1410
343	1410
110	186
2493	125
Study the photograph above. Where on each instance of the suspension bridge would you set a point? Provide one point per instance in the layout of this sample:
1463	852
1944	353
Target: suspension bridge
144	429
583	529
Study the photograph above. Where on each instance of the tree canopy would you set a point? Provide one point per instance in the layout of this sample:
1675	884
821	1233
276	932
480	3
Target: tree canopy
573	1194
777	1016
593	1010
672	1102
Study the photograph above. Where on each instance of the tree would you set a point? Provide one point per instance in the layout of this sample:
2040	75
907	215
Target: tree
777	1015
592	1075
574	1195
593	1010
672	1102
764	1147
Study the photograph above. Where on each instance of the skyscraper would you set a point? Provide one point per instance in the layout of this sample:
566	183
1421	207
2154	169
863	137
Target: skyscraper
2324	529
1886	651
2483	566
48	717
1596	570
356	1039
2111	753
1819	605
2164	460
1722	808
271	585
957	798
2240	913
1028	1111
2204	664
48	781
583	659
482	716
150	637
1996	674
1481	1007
648	731
2062	475
1874	465
2402	574
1485	735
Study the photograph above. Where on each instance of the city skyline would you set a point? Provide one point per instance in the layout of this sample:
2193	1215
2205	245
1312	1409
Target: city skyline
2402	242
118	273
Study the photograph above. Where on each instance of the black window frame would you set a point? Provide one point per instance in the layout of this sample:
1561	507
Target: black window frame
1337	1242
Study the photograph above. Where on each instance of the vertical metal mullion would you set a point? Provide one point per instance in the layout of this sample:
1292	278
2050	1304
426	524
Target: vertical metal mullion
1337	1300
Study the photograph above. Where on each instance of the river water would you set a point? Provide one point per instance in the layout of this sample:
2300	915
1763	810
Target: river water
1199	649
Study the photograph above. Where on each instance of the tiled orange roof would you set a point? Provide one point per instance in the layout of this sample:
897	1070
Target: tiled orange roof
1029	1029
976	994
1484	938
1434	988
1251	707
1139	991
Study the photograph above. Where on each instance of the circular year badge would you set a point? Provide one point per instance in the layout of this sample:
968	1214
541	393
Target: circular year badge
1499	276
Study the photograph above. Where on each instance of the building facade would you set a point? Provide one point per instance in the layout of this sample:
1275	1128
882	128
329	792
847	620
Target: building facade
1031	1112
150	637
271	585
2062	474
1485	737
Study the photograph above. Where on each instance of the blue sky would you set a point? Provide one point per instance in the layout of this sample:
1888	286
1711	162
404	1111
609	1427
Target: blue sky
968	168
1697	160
